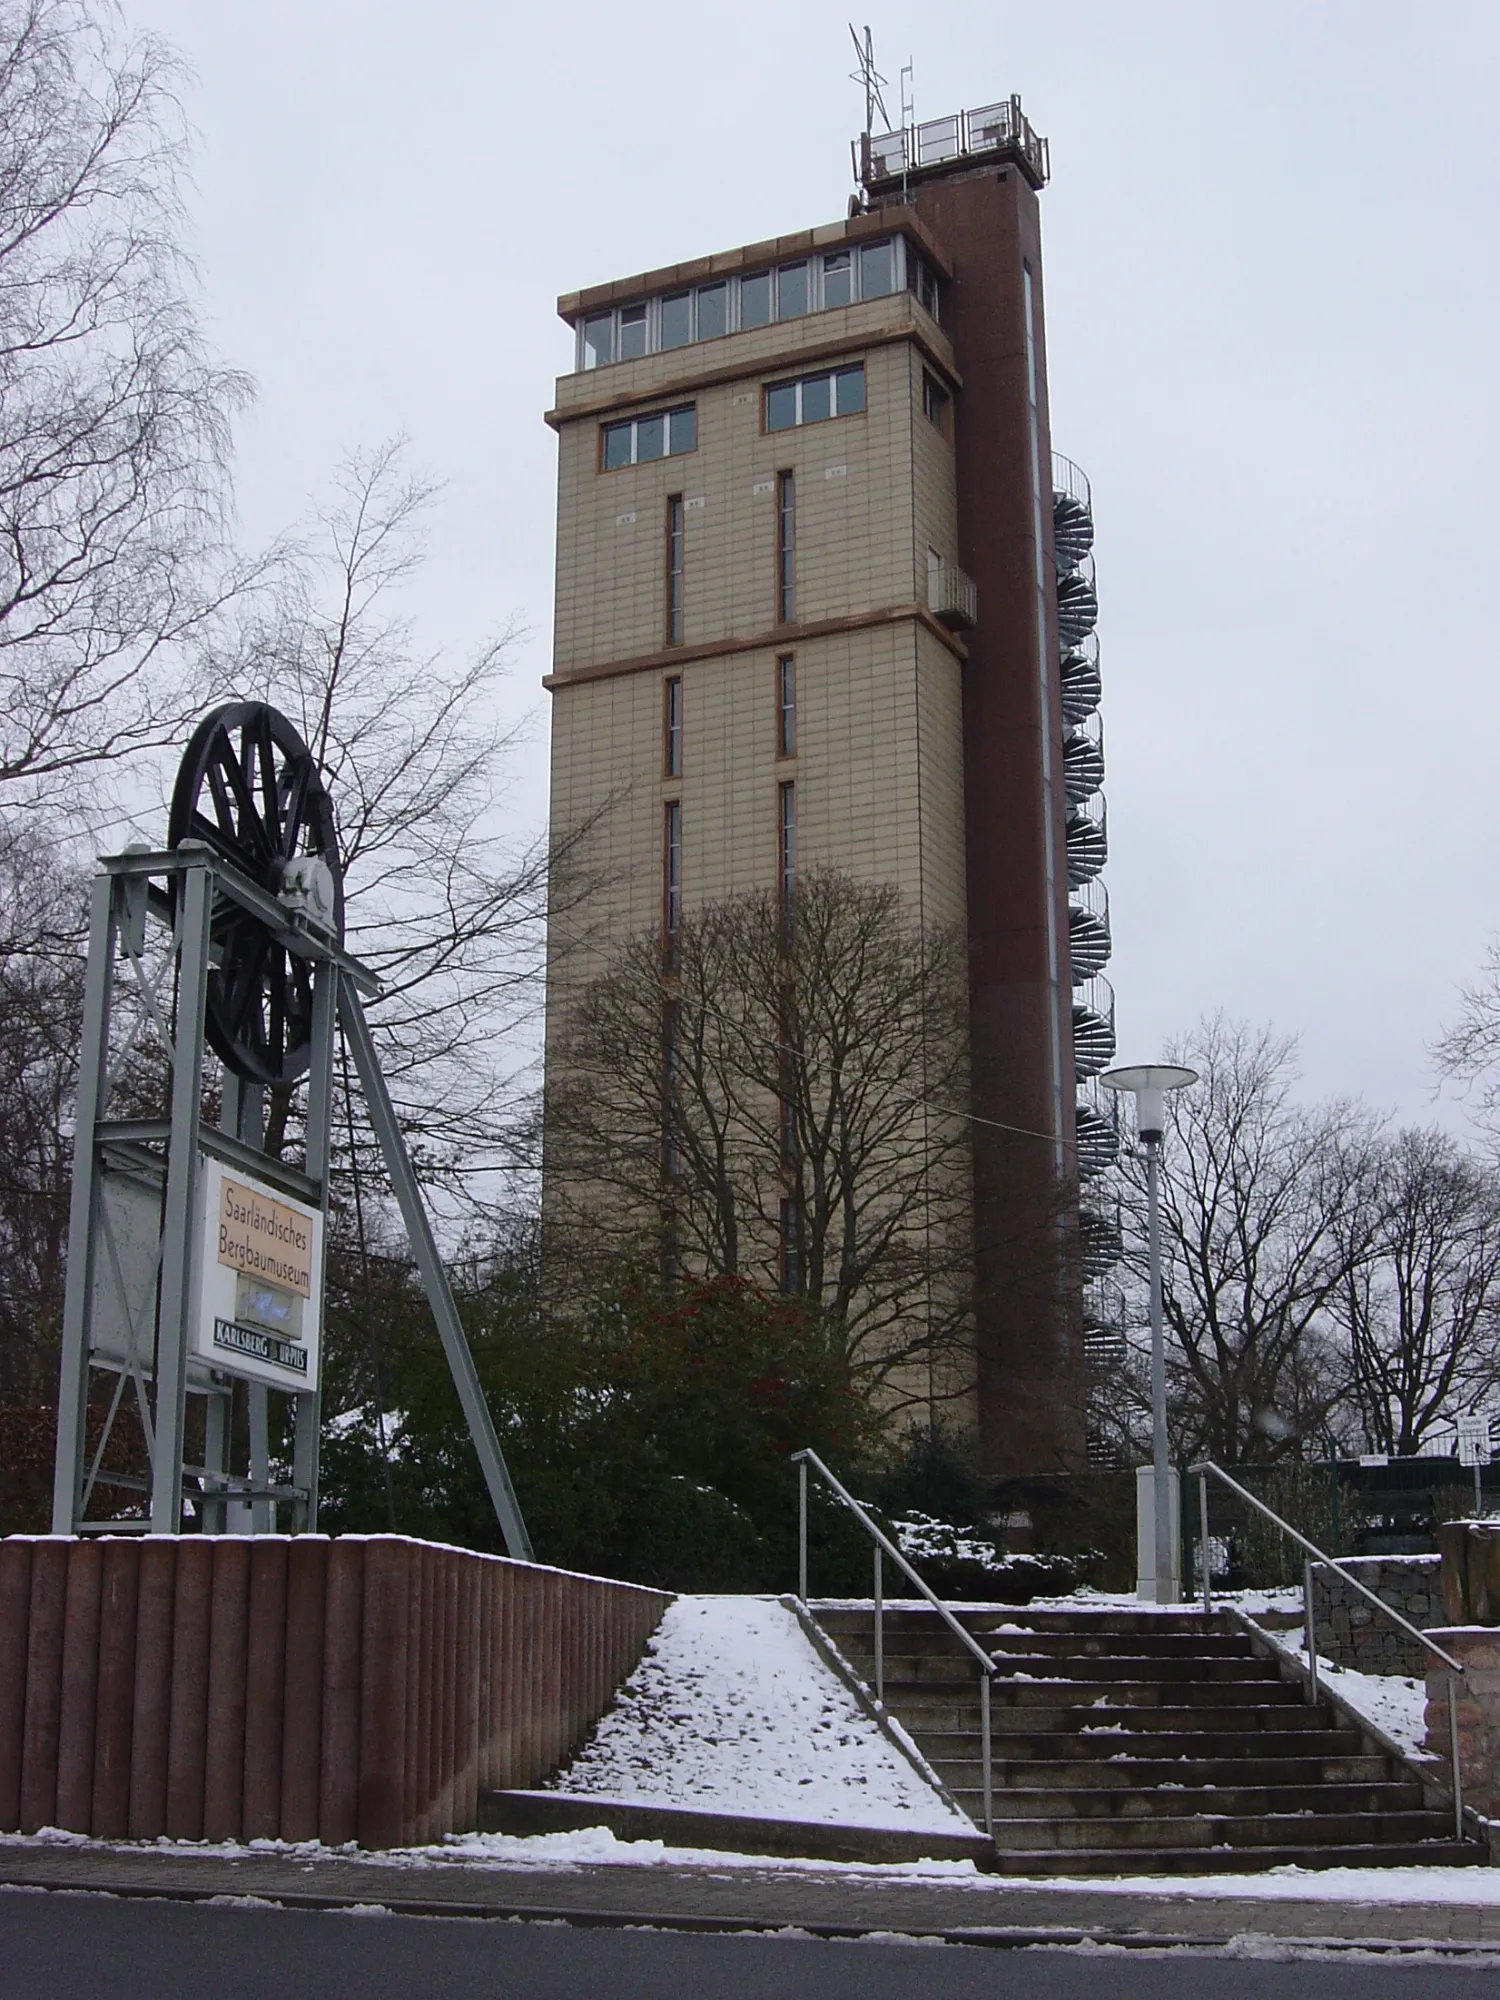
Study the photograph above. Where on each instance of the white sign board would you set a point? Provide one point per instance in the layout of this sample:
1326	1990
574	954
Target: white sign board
1473	1440
258	1305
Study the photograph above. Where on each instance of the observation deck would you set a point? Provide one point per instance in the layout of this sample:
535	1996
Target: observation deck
884	161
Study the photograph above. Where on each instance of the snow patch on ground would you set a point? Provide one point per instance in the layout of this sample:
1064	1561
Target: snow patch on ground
731	1710
1395	1703
596	1846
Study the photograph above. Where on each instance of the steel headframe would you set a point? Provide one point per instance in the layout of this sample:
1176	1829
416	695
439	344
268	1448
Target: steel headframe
143	1172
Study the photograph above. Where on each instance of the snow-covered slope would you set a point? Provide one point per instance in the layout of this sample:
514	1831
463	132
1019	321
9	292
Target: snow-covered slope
731	1710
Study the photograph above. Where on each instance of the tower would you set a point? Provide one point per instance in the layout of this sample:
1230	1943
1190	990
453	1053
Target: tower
823	602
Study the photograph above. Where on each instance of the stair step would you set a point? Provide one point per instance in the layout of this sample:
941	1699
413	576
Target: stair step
1311	1830
1448	1853
1161	1744
1093	1694
952	1758
1235	1802
1022	1669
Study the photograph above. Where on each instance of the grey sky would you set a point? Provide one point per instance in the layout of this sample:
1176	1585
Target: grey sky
1271	294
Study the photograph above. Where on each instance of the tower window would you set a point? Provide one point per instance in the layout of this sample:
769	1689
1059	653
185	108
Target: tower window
786	706
920	279
838	392
934	399
786	548
786	858
671	884
792	299
677	319
713	311
671	727
598	340
791	1245
674	571
669	1157
664	434
755	300
632	333
838	278
877	269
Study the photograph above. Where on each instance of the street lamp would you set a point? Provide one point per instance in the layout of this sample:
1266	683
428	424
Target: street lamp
1149	1084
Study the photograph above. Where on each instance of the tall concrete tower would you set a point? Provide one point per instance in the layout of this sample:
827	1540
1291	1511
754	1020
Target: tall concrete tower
824	597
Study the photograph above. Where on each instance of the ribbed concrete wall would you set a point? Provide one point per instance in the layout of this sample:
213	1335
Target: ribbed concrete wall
229	1688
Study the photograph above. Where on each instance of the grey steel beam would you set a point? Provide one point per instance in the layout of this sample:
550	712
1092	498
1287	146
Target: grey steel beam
308	1407
194	909
434	1277
73	1385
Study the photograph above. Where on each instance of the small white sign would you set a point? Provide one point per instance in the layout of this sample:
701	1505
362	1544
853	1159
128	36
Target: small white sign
764	486
835	472
745	396
625	520
1473	1440
258	1304
689	505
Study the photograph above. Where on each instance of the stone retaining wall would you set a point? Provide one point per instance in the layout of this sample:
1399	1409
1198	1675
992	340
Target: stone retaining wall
1352	1632
218	1687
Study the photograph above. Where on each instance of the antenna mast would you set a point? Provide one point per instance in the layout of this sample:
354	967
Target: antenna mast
870	78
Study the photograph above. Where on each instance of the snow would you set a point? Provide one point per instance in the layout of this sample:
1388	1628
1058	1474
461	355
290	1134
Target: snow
1251	1602
731	1710
597	1846
1395	1703
592	1847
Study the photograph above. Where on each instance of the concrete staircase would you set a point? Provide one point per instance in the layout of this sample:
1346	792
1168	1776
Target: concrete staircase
1143	1743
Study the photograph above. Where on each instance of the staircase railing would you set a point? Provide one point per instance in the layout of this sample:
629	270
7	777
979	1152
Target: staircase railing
885	1547
1321	1560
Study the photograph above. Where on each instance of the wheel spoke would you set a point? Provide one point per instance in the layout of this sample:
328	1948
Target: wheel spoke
268	787
223	806
242	976
301	773
250	827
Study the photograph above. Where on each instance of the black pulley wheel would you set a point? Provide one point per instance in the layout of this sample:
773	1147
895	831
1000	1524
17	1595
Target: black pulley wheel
249	788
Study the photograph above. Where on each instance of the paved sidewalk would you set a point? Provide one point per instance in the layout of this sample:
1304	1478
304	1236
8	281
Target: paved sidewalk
702	1897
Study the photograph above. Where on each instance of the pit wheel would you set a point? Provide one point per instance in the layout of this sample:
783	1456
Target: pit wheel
250	789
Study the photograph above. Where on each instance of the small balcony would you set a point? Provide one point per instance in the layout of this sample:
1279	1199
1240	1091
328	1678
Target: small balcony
952	597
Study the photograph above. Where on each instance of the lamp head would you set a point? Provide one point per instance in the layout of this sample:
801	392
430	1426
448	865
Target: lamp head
1148	1084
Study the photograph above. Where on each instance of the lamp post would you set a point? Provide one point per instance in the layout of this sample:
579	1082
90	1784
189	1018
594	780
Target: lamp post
1149	1084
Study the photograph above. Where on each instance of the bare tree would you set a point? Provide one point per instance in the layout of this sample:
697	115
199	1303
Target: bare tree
1420	1305
1268	1207
114	423
1469	1052
782	1101
42	917
443	902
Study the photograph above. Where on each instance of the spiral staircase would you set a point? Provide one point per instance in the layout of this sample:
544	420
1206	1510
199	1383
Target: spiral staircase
1089	941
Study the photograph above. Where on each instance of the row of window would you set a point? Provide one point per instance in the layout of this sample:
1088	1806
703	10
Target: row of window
664	434
812	399
674	569
733	305
786	879
671	864
786	715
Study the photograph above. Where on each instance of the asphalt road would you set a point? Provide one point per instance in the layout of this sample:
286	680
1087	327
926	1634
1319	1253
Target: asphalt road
71	1946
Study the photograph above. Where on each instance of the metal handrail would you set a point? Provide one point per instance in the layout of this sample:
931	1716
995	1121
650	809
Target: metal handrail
884	1546
1321	1559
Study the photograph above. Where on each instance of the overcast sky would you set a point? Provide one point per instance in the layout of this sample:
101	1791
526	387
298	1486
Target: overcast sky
1270	272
